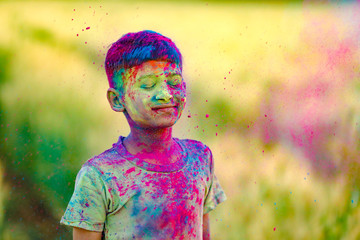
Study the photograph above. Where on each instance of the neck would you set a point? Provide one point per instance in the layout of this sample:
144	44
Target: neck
149	141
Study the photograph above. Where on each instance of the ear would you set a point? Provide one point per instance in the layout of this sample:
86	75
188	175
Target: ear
115	100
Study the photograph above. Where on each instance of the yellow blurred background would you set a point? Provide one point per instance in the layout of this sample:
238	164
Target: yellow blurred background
278	80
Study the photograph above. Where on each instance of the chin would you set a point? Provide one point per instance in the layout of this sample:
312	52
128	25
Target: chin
165	124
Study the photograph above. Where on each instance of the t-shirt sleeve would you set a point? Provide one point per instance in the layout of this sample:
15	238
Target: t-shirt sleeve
215	194
87	206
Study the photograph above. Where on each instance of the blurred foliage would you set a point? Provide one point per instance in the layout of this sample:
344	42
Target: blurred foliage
253	75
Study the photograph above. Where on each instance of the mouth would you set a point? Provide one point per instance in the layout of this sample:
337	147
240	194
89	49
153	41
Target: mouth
165	108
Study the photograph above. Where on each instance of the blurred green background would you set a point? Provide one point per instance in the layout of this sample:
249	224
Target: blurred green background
273	89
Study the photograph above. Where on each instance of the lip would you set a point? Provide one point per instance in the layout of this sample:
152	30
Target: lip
165	109
169	106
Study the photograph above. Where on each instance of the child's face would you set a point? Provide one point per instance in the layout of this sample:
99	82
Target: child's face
154	94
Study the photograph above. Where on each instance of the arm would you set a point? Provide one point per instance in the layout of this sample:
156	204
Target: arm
206	227
82	234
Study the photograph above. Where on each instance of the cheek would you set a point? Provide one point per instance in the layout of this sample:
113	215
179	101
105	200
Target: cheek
145	100
132	94
179	93
180	97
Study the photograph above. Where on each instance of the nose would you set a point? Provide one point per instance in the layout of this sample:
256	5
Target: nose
164	94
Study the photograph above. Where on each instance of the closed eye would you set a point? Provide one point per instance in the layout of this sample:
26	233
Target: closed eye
147	86
176	82
147	83
174	86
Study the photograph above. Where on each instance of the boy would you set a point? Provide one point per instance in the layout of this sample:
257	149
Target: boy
149	185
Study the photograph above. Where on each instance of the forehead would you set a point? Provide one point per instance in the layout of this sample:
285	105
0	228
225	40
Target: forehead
157	68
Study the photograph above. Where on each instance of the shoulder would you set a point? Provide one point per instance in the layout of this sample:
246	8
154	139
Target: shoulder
104	162
197	150
194	145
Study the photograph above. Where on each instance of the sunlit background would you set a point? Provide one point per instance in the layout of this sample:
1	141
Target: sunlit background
273	89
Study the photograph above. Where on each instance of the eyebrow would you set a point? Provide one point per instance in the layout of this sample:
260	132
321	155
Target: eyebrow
154	75
174	74
147	76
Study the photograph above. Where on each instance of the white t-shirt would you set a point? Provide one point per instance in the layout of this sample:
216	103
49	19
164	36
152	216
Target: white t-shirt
126	198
